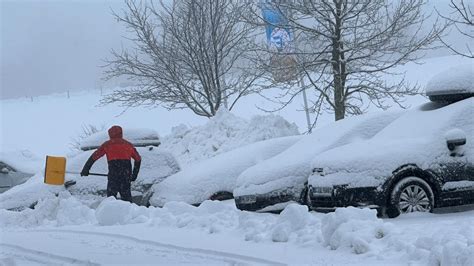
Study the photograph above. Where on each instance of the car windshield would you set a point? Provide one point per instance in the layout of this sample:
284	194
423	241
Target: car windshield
429	119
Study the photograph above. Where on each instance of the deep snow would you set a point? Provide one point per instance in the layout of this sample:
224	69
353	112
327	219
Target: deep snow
349	235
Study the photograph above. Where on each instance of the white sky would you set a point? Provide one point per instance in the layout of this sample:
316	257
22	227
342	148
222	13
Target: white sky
49	46
58	45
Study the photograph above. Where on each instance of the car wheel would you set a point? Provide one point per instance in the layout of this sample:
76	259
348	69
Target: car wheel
304	197
411	194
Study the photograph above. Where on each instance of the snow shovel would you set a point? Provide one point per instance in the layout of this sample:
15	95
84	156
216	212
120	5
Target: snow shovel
55	171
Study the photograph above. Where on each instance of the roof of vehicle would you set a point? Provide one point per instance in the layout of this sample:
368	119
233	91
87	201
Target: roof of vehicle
138	137
23	160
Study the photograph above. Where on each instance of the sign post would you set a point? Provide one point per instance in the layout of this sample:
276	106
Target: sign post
280	41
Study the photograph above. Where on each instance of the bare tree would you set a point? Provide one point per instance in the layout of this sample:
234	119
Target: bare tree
462	17
188	54
87	130
347	49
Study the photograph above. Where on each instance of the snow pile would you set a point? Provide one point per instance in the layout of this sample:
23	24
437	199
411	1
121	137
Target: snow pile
112	212
357	229
139	137
222	133
211	216
294	224
293	218
56	211
28	193
454	247
458	79
200	181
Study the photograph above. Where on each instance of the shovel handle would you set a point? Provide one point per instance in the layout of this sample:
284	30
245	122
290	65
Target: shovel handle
89	174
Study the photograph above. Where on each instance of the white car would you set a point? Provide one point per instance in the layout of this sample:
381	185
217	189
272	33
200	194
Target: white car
215	178
278	181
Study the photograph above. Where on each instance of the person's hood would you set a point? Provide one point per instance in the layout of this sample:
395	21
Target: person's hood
115	132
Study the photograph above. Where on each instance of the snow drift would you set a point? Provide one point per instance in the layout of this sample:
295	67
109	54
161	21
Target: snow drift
222	133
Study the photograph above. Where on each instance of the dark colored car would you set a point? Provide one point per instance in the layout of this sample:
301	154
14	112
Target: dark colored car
10	176
421	161
276	182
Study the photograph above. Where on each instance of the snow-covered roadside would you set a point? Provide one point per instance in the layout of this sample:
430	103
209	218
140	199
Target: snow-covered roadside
350	235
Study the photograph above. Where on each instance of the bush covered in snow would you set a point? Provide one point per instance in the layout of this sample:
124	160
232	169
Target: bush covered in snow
222	133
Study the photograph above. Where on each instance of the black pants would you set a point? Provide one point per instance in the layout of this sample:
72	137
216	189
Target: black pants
119	185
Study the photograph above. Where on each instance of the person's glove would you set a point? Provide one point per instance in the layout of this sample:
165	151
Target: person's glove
133	177
84	172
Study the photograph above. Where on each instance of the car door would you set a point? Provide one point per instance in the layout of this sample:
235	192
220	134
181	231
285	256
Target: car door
458	171
5	177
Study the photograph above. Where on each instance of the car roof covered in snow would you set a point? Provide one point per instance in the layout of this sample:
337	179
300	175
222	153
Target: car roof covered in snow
138	137
23	160
458	80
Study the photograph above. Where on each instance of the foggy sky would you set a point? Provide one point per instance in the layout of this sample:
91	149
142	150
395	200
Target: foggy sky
52	46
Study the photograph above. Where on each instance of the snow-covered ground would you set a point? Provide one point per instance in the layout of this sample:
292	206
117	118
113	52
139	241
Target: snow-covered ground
64	231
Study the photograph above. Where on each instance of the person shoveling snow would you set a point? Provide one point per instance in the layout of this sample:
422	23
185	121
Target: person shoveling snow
119	153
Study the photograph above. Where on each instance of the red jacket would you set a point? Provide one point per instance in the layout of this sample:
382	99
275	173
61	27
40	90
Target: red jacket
119	153
116	148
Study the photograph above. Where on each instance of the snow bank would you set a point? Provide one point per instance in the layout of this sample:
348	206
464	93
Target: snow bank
28	193
55	211
112	212
357	229
293	218
139	137
199	181
458	79
222	133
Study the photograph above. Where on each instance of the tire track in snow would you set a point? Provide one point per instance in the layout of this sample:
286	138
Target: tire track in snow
37	256
224	256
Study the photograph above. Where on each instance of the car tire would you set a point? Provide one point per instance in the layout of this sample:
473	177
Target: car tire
411	194
304	195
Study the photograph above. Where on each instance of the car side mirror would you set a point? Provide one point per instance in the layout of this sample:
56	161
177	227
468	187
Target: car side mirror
4	170
454	138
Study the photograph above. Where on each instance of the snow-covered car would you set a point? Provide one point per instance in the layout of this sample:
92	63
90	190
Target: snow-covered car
215	178
155	167
452	85
138	137
421	161
16	168
278	181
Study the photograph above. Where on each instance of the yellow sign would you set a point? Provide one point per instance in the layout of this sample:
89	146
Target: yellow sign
55	170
